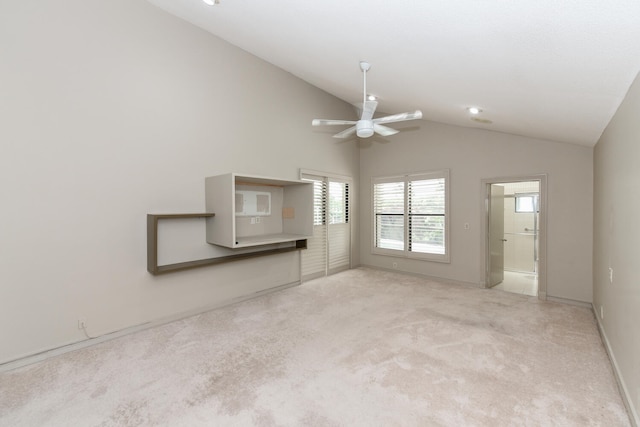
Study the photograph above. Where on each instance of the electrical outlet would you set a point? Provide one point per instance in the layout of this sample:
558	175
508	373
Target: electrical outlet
258	220
466	226
82	323
395	265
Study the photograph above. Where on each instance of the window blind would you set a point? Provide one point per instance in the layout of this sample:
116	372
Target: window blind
389	215
426	206
314	258
329	251
339	228
410	216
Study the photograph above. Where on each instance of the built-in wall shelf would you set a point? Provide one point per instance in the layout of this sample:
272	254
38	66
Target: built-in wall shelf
152	247
254	210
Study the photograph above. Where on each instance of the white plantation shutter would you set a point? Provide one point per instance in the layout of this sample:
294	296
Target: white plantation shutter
314	258
426	216
388	208
329	251
339	228
410	216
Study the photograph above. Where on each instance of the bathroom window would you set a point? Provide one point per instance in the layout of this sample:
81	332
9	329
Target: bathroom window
526	203
410	215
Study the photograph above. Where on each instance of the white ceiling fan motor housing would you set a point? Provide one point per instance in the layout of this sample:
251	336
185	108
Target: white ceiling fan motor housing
364	128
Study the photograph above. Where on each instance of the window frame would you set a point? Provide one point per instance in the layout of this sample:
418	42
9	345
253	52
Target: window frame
406	253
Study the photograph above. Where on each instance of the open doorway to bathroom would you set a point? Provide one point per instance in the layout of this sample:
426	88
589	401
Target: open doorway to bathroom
515	235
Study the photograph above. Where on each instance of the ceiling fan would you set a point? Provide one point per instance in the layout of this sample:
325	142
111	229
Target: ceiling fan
367	125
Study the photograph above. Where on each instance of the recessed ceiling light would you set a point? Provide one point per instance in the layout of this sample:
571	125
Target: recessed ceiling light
371	97
474	110
210	2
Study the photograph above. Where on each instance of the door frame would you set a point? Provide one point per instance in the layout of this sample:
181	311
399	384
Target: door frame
542	230
496	208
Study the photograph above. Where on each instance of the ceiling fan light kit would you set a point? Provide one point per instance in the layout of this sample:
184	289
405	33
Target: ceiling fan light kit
364	128
367	125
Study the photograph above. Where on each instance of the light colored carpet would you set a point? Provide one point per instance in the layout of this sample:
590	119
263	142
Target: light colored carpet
360	348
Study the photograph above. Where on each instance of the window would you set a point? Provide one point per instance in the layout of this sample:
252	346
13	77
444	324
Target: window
526	203
388	202
411	216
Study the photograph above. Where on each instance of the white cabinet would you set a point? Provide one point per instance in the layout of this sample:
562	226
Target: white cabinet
253	210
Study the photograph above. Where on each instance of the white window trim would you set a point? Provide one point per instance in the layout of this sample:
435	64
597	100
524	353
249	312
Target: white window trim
444	258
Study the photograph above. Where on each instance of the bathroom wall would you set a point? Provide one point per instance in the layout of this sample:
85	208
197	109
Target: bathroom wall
519	249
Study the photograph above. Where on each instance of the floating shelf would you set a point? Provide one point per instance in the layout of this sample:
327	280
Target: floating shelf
152	247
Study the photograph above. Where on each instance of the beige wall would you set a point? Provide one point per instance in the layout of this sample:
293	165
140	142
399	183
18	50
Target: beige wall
616	237
473	155
114	109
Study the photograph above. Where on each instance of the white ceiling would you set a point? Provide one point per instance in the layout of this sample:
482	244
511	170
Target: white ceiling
550	69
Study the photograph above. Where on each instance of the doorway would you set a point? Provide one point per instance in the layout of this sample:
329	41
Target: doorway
329	250
515	235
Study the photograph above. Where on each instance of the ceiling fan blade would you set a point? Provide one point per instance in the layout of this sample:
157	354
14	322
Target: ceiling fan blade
399	117
369	109
346	133
384	130
320	122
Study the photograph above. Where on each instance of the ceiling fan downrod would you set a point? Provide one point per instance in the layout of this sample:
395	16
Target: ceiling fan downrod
364	66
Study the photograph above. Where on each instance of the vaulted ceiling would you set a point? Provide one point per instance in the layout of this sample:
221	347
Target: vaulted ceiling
549	69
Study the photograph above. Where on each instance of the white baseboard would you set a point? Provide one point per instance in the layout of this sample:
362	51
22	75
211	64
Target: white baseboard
570	301
541	296
57	351
626	397
425	276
